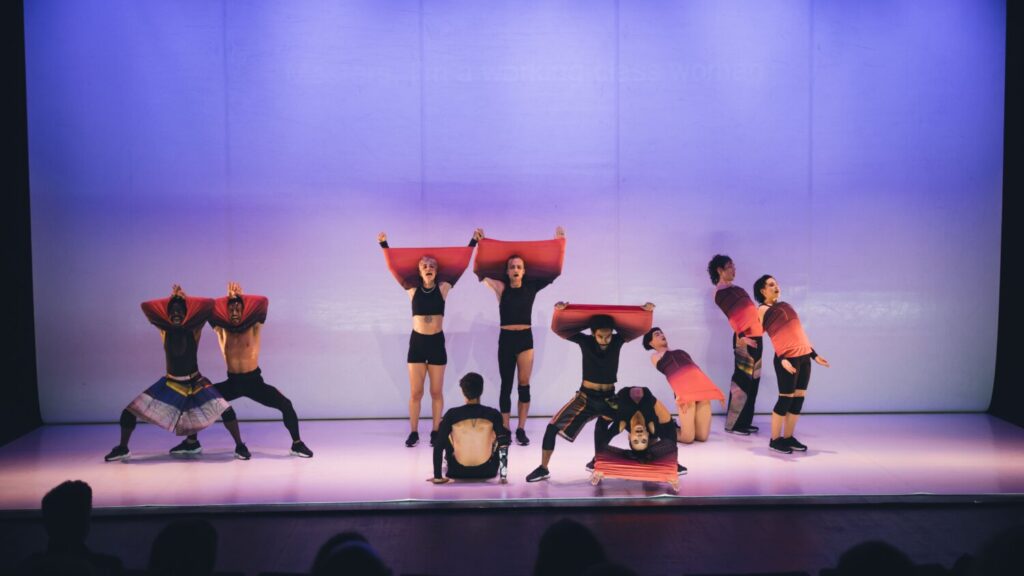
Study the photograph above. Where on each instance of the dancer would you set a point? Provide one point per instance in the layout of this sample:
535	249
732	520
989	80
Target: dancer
184	401
427	285
472	438
238	320
693	390
793	355
652	453
747	343
595	398
516	292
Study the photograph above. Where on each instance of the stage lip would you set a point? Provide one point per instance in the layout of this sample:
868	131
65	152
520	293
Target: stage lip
660	501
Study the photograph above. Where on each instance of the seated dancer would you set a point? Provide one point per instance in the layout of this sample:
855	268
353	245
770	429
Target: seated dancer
793	355
652	453
502	267
238	321
693	390
472	438
595	398
427	274
184	401
746	344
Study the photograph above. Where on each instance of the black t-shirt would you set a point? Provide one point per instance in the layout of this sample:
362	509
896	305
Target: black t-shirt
599	366
516	305
466	412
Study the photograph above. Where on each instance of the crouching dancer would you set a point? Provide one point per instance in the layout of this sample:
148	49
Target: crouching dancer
184	401
238	321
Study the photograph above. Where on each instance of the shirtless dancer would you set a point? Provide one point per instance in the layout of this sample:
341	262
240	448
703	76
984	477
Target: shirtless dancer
239	338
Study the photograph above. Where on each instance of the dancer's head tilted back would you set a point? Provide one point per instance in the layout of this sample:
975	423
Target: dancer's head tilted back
766	290
655	339
721	268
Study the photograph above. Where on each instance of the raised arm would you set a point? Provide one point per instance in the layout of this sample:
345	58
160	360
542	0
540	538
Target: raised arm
559	232
382	239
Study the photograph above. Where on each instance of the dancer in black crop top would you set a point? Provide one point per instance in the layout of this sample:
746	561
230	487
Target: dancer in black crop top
515	342
427	354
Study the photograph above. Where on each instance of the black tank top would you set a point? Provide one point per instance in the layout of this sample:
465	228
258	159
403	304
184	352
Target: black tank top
599	366
516	304
427	303
180	348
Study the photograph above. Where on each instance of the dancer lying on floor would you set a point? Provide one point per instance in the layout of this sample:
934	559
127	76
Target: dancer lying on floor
238	320
427	274
652	453
595	397
502	266
793	355
747	345
693	390
472	438
184	401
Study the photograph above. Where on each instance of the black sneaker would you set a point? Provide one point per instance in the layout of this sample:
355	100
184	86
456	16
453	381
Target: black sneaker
753	429
780	445
738	431
522	439
433	437
681	470
540	473
300	449
795	444
413	439
187	448
119	452
241	452
590	465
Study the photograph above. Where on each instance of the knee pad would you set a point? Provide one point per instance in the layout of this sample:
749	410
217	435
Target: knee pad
782	405
549	437
797	405
128	420
524	393
228	415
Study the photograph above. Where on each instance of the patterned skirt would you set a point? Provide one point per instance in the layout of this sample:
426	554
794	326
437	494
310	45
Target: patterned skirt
180	405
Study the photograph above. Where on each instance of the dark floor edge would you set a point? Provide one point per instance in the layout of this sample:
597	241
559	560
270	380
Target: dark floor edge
662	501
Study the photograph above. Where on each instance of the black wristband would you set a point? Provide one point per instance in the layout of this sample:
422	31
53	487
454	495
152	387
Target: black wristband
472	242
384	244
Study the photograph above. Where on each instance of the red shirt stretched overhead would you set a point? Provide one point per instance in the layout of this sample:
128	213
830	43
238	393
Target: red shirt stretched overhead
631	322
254	311
404	263
740	310
787	334
197	312
543	258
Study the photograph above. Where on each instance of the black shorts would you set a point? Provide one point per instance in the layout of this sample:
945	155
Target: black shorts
514	342
427	349
483	471
585	406
789	383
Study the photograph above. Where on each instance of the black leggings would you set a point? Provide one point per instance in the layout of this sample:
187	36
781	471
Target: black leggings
251	385
790	383
511	343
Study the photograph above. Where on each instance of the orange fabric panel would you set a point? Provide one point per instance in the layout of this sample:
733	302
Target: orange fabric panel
630	321
254	310
543	258
197	312
740	310
404	263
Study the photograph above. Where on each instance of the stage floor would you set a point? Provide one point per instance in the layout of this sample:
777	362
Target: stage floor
364	464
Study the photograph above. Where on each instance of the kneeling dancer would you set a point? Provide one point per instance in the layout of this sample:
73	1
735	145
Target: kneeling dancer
693	390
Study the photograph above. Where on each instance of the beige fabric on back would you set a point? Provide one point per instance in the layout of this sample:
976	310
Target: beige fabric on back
473	441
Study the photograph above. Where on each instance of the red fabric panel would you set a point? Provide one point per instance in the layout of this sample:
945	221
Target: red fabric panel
254	310
616	463
787	333
543	258
404	263
740	310
687	380
197	312
630	321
